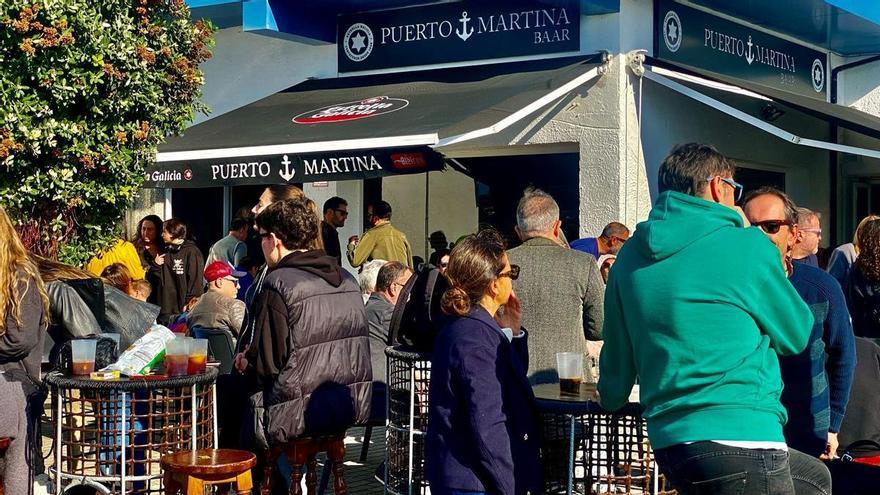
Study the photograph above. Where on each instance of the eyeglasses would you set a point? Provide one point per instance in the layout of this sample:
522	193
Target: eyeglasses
771	226
811	230
513	273
619	239
233	280
341	212
738	188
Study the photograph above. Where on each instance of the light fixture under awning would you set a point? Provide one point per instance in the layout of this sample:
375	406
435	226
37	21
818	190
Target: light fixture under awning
687	83
366	126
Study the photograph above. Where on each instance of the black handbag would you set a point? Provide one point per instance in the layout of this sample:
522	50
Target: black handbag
105	355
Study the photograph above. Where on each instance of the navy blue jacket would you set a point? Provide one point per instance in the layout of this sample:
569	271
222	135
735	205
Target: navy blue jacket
483	423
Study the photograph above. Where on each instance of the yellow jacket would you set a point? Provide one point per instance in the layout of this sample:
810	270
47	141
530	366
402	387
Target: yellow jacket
382	242
121	252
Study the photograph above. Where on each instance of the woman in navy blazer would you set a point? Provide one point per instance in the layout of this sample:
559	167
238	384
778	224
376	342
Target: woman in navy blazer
482	429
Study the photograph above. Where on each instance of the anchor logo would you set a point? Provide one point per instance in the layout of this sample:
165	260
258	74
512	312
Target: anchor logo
749	57
288	173
464	32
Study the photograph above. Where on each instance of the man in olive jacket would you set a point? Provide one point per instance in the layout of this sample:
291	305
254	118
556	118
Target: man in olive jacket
310	353
561	289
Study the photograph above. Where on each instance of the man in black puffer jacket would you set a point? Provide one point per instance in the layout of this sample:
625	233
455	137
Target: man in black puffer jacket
310	353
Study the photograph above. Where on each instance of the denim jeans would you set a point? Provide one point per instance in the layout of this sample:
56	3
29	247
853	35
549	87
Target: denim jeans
711	468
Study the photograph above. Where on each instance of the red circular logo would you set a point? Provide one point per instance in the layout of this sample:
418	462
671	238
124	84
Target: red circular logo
353	110
188	174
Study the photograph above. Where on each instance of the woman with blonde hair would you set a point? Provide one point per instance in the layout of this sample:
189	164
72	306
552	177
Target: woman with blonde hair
24	309
482	431
843	257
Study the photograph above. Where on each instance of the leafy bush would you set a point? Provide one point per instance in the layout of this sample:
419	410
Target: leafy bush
88	89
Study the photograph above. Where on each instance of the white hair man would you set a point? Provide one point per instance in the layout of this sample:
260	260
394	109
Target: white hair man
561	289
809	235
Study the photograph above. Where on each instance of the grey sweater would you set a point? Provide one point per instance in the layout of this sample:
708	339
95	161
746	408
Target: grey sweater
563	299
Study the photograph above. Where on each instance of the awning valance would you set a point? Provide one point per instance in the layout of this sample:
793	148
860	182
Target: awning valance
699	85
366	126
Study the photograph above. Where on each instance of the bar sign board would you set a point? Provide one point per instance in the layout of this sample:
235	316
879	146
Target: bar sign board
691	37
456	32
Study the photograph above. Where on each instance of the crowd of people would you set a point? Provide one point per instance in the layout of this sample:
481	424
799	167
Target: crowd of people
744	349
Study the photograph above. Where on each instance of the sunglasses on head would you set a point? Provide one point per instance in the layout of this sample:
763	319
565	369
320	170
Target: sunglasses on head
513	273
771	226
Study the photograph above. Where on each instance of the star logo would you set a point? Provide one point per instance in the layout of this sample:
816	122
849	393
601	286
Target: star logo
357	43
188	174
672	31
818	75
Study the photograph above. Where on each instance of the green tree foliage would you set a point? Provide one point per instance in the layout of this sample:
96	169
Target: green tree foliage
88	89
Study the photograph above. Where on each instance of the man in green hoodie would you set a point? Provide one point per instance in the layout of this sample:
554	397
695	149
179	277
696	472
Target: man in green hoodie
698	307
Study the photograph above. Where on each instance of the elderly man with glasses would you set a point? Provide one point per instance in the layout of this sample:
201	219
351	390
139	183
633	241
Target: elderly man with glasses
818	380
218	307
808	238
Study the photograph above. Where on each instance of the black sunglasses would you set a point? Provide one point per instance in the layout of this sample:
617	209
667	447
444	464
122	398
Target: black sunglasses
771	226
341	212
513	273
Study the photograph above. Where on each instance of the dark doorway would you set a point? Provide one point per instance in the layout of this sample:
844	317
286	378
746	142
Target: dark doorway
500	182
752	179
201	210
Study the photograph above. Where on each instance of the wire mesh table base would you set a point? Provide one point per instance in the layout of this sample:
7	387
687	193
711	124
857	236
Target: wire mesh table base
111	435
409	375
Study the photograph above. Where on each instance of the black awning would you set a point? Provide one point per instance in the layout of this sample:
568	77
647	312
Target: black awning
361	127
849	118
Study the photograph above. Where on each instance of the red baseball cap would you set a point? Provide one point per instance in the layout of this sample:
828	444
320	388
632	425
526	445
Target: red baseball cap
221	269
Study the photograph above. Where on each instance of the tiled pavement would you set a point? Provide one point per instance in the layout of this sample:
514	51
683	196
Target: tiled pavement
358	476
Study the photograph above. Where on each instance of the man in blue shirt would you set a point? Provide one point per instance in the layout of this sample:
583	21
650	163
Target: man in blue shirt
808	238
818	380
613	236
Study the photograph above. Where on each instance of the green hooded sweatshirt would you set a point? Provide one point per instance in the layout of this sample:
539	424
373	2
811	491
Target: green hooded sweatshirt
698	307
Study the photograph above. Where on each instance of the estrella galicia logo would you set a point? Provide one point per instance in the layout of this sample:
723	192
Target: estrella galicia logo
817	75
672	31
358	42
352	110
188	174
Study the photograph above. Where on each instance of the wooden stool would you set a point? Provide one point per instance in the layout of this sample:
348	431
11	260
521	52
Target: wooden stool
4	445
303	452
189	471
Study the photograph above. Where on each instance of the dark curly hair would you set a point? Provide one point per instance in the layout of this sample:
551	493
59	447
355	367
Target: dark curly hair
474	264
293	221
868	262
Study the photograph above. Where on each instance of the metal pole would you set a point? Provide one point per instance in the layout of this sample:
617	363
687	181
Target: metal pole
571	455
58	444
193	418
214	411
427	210
412	420
122	434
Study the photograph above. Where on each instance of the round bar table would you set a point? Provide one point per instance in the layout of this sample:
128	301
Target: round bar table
590	450
110	434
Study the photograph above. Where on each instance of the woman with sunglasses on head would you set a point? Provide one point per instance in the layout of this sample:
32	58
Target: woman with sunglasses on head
482	428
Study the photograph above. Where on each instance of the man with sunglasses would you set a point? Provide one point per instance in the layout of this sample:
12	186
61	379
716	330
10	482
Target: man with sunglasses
613	236
335	214
697	308
818	380
218	307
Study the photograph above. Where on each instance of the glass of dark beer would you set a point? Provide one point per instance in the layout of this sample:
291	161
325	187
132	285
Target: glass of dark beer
570	367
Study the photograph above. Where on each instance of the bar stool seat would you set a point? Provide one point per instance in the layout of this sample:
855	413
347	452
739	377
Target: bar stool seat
303	452
4	445
190	471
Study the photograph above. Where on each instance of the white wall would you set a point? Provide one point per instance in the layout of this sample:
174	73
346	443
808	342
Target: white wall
247	67
452	206
670	118
858	87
